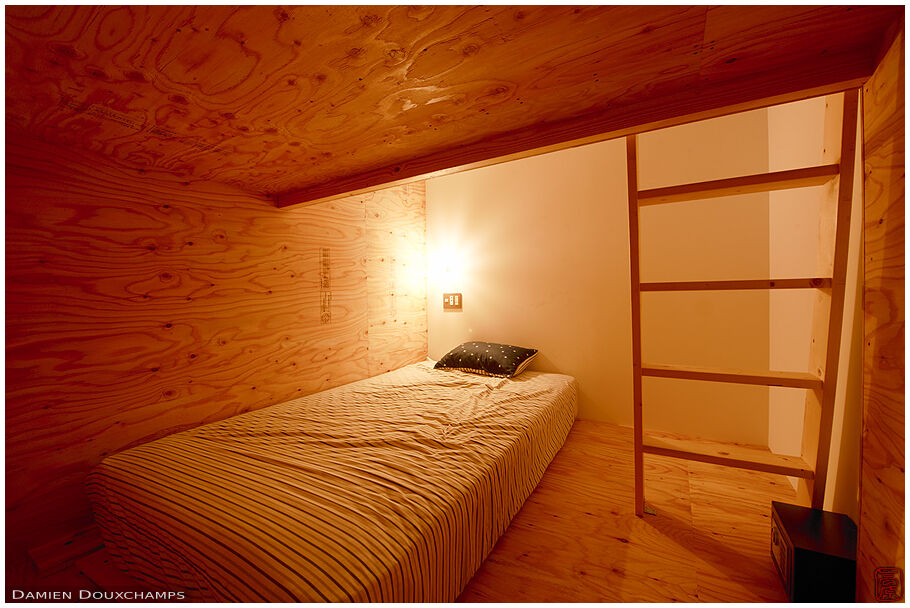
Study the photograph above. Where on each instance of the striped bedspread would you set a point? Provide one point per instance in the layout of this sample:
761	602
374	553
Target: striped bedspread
393	488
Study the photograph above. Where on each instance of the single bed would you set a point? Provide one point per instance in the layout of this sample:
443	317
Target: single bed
394	488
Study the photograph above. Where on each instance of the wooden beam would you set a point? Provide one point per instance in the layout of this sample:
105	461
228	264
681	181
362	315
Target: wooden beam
755	458
839	284
764	378
729	97
809	283
747	184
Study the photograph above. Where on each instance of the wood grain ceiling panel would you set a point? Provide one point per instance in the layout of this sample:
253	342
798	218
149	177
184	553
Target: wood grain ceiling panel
279	99
786	37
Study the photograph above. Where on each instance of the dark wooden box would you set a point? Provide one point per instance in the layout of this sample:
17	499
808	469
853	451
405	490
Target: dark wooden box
815	553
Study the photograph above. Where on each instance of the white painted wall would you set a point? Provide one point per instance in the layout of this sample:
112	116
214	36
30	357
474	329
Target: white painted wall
715	239
796	134
539	248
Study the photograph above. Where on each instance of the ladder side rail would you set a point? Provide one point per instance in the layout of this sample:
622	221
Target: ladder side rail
635	279
838	288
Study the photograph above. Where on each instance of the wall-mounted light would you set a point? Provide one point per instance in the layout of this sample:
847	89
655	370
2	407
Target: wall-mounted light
451	264
446	267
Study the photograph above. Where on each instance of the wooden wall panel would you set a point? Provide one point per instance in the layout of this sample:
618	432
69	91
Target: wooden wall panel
881	525
396	275
137	305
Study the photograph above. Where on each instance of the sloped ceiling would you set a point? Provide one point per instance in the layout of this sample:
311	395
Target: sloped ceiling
306	102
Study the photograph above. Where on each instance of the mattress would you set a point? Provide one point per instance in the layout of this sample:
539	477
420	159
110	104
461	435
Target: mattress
394	488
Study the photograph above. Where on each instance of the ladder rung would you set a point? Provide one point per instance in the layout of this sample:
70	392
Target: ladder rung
736	455
810	283
765	378
747	184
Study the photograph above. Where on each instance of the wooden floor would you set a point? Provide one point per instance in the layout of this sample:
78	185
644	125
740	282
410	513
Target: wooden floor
577	538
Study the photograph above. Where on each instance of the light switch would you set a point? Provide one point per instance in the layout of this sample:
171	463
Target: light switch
451	301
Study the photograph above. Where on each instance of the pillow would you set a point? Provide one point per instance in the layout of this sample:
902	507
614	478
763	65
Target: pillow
488	358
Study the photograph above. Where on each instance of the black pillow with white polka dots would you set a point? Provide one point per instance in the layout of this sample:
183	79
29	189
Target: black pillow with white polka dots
488	358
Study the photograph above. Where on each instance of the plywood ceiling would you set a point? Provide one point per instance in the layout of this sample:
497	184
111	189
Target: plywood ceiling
321	100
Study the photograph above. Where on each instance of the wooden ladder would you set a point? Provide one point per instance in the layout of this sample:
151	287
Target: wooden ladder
821	390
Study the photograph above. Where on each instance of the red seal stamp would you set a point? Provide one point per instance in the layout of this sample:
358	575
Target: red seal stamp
889	584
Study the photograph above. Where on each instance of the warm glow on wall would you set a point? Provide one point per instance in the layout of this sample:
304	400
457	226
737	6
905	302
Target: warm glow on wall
413	279
452	263
446	268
